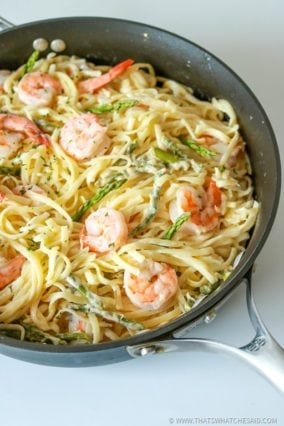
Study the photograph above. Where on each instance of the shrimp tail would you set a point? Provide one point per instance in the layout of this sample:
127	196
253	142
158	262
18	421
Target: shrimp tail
93	84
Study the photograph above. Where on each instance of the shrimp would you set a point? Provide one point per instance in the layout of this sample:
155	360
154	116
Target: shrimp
152	287
104	230
10	270
95	83
83	137
14	129
4	74
77	324
38	89
203	206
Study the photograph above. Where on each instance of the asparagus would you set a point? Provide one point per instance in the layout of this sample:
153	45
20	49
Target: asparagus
34	334
201	150
102	192
31	61
165	156
94	305
116	106
153	206
168	235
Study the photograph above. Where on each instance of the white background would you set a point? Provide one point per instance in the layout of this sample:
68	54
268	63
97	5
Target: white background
249	37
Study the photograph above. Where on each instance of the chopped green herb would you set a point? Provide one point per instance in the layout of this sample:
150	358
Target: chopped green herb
165	156
132	147
31	61
33	245
168	235
102	192
13	171
199	149
116	106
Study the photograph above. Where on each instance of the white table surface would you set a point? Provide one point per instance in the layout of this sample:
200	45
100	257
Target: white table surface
248	36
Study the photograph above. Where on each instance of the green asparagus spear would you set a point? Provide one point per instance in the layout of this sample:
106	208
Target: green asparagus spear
199	149
31	61
34	334
102	192
13	171
166	156
153	206
168	235
94	305
71	337
116	106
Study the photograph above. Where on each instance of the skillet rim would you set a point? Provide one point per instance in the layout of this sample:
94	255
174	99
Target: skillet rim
238	274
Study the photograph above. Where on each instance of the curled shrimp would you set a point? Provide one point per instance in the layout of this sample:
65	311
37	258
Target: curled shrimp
104	230
83	137
203	206
152	287
38	89
14	129
95	83
10	270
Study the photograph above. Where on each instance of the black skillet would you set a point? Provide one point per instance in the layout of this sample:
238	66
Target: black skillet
108	41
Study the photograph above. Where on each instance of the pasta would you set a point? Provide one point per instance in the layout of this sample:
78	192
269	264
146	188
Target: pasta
166	178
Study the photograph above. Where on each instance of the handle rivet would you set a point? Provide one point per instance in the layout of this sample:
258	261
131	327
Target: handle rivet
147	350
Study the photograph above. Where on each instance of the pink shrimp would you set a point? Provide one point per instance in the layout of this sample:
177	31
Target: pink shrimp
10	270
77	324
95	83
203	206
83	137
38	89
14	129
104	230
152	287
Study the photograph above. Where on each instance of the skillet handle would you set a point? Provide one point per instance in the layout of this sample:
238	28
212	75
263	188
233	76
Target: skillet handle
5	24
263	353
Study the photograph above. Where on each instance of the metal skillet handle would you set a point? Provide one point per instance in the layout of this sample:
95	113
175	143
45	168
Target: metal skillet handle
4	24
263	353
